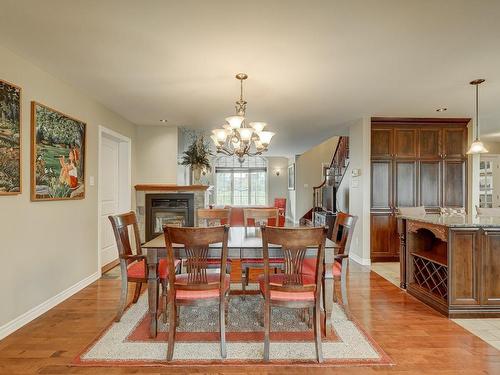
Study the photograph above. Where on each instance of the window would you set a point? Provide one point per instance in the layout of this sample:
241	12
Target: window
241	184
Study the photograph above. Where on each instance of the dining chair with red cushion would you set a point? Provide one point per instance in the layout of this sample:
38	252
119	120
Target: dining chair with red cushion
343	230
255	217
134	268
293	288
200	286
280	204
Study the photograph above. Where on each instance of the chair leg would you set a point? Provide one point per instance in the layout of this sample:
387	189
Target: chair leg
164	299
222	327
317	333
123	299
343	290
171	330
244	281
137	292
267	329
177	314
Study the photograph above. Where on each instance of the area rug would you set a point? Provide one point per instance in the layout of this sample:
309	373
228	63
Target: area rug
127	343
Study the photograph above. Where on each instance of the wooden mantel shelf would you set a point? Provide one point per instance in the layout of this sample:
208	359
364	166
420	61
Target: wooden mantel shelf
170	187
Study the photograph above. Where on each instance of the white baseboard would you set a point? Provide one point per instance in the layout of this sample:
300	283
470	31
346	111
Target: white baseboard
42	308
362	261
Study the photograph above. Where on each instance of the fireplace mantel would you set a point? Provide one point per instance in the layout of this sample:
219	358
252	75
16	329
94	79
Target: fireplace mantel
170	187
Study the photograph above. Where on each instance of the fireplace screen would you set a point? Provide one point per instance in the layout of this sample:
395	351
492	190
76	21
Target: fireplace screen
163	218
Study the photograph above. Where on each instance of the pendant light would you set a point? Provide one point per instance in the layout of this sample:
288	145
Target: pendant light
477	147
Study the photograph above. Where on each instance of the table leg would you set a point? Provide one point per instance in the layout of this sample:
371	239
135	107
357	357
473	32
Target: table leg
328	285
152	259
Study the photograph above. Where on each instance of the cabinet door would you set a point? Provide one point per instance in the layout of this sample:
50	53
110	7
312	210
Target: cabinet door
405	192
463	269
429	184
382	143
405	143
454	142
429	143
454	180
490	268
381	189
384	236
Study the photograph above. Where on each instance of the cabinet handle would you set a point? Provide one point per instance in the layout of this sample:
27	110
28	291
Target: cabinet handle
444	155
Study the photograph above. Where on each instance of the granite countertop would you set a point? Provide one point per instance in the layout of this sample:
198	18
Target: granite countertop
457	220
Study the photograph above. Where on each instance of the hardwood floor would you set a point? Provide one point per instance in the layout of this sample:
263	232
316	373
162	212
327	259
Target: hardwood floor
419	340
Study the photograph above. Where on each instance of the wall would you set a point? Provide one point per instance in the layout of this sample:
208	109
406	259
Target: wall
49	247
157	154
359	188
277	185
308	171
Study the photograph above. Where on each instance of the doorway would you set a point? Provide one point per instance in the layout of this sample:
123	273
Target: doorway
114	191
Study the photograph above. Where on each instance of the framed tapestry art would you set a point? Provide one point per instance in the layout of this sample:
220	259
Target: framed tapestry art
10	139
57	155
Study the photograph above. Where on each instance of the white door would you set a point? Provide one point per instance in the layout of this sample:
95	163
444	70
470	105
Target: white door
110	196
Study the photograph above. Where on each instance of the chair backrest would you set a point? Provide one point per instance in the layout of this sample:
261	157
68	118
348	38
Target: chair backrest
482	211
294	244
280	203
122	225
196	242
343	230
214	217
260	215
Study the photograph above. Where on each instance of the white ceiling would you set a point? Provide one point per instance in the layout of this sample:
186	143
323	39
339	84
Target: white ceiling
312	65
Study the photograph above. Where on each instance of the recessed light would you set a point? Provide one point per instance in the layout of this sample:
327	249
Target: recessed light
163	120
441	109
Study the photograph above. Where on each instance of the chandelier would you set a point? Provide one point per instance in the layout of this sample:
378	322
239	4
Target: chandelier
236	138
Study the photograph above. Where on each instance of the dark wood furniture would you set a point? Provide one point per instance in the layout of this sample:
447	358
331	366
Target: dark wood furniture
199	286
293	288
342	233
242	243
133	266
258	217
453	263
414	162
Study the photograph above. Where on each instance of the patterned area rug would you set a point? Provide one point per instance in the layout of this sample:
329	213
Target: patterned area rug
127	343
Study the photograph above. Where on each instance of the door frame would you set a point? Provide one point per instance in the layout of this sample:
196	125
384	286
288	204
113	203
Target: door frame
124	176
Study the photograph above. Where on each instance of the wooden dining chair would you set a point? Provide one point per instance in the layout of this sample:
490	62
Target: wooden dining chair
210	218
257	217
343	230
293	288
133	267
199	286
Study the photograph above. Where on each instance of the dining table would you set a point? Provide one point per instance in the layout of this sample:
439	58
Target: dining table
243	242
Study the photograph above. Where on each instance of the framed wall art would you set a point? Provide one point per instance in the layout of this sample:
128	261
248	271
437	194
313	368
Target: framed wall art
291	177
57	155
10	139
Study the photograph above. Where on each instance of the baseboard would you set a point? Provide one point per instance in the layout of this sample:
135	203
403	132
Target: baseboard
362	261
42	308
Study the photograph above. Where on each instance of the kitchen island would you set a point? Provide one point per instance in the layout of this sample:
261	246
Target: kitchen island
452	263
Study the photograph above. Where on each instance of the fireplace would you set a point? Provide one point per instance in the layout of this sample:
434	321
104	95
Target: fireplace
169	208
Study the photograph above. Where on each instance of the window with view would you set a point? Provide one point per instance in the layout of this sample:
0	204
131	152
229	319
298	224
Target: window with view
241	184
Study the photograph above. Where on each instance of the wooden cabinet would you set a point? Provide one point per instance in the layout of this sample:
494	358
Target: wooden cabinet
384	239
414	162
490	268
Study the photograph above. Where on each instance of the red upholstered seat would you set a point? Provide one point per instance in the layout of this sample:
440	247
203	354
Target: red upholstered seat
309	267
182	279
287	296
137	269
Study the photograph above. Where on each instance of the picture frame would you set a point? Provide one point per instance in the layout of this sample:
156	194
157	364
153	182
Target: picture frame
58	155
10	138
291	177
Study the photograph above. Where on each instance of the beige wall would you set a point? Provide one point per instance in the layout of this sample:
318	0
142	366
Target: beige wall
308	171
359	188
278	185
492	147
157	154
48	247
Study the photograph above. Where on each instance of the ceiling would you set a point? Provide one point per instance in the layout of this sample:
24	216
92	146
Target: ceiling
312	65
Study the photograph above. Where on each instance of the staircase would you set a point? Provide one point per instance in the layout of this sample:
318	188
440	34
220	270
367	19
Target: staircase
335	173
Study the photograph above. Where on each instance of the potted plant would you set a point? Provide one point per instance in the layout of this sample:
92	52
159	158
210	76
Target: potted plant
197	156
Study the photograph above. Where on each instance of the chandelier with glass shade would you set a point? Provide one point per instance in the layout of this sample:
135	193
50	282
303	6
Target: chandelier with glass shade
236	137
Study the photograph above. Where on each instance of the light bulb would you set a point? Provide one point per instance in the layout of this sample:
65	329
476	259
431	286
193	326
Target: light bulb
235	121
258	126
245	134
220	134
